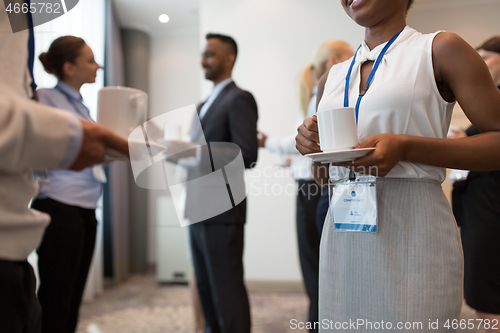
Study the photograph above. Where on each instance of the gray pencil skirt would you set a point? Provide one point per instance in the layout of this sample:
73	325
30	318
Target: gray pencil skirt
407	277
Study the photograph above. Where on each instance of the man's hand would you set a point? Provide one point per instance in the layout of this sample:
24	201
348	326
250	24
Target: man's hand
96	139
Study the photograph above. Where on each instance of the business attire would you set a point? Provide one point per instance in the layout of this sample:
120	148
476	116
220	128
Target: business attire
476	205
32	136
228	115
308	196
322	209
411	269
65	254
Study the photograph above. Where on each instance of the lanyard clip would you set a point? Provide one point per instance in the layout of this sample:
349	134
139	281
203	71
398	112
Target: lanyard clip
365	89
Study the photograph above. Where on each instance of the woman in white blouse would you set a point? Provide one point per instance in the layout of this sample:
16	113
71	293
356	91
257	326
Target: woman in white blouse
411	270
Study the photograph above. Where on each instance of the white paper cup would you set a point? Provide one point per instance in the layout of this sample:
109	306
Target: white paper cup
337	129
122	109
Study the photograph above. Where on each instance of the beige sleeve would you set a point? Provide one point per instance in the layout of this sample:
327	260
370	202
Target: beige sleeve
32	136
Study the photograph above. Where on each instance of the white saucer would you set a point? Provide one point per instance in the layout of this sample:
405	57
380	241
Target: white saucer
340	155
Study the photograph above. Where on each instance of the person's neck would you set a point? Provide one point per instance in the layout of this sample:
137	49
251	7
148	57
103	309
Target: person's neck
73	84
221	78
383	31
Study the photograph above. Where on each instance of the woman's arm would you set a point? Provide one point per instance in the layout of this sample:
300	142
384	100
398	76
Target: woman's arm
480	152
461	74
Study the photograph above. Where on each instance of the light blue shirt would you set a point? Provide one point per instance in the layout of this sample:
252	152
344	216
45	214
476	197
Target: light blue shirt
76	188
213	96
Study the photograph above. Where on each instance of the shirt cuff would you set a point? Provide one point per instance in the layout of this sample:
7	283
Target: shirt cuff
74	143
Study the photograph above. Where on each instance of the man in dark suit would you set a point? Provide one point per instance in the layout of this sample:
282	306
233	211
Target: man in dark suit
229	115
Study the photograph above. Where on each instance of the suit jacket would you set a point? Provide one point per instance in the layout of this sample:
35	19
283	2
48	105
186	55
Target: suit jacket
231	118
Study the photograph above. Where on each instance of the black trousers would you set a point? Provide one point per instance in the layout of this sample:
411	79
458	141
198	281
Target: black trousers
217	250
476	205
308	240
322	210
64	258
19	309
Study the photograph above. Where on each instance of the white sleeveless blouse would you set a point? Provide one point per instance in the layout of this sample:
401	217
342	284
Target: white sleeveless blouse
403	97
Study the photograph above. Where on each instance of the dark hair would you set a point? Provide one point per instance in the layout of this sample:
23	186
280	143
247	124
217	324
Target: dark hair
226	40
492	45
62	50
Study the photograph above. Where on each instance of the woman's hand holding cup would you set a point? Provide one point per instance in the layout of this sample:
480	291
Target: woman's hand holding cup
307	139
391	148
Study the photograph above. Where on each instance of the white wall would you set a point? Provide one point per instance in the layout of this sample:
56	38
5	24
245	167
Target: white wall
474	20
174	83
175	70
276	40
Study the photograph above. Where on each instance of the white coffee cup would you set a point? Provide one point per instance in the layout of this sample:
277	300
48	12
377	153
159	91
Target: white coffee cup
122	109
337	129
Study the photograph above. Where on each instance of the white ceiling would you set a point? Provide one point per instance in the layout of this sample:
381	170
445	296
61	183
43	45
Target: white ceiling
143	14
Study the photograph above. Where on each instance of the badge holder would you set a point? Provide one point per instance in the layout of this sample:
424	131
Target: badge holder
353	203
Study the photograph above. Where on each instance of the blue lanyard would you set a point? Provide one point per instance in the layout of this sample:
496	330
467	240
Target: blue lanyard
72	101
31	43
370	77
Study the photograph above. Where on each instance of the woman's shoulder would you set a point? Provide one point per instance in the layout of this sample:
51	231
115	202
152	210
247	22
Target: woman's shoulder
48	96
450	51
46	91
448	44
341	65
438	41
338	72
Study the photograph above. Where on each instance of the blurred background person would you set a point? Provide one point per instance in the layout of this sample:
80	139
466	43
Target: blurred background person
309	192
228	115
69	197
476	206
